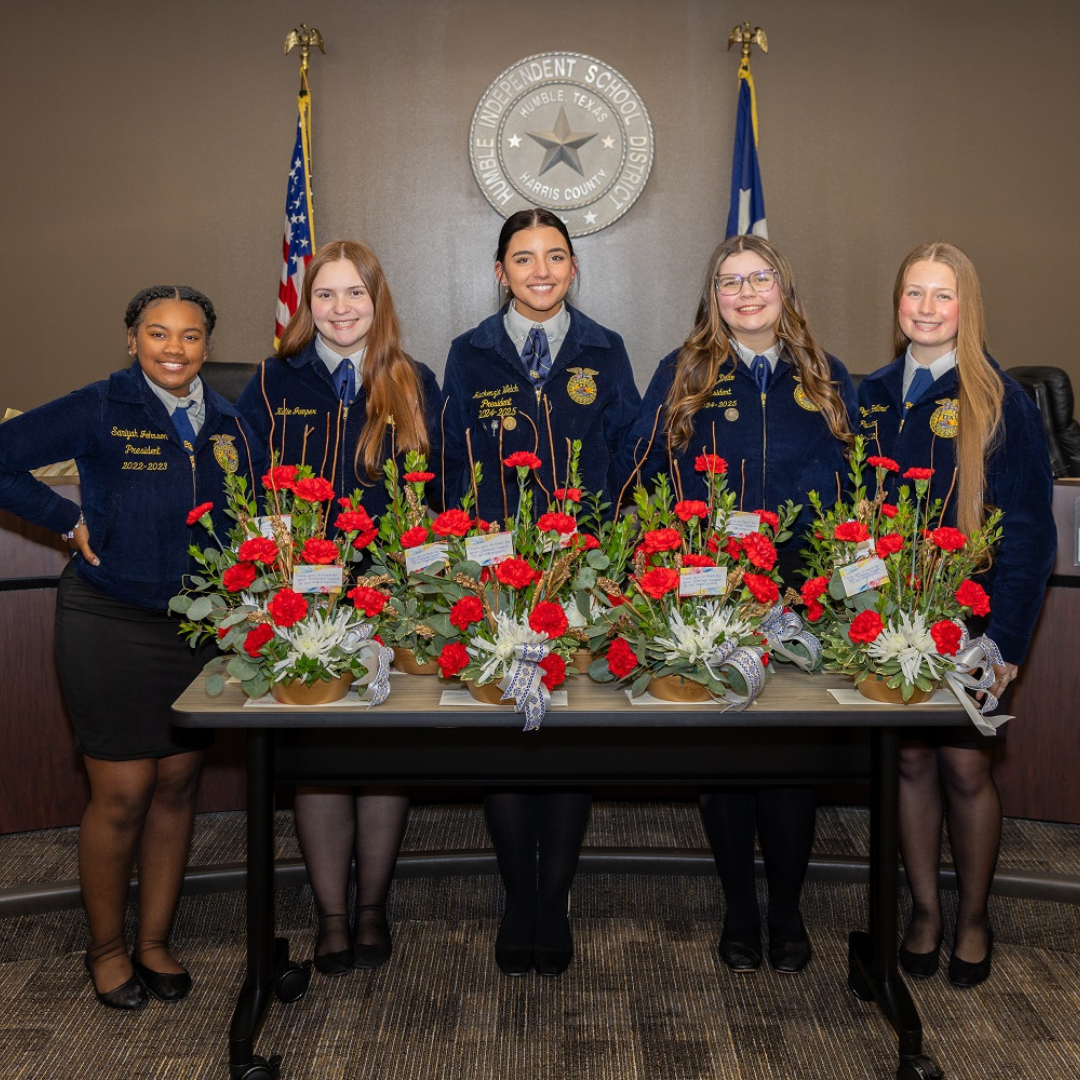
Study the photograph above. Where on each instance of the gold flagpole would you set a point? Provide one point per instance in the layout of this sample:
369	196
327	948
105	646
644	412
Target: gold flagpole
744	36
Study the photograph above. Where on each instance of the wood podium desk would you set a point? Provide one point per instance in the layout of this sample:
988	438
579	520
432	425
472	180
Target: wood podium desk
795	732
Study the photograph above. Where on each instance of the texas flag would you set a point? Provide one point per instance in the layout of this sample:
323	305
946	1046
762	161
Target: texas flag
747	211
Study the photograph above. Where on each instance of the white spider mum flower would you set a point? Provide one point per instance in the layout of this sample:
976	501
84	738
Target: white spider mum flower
908	642
509	633
711	624
317	636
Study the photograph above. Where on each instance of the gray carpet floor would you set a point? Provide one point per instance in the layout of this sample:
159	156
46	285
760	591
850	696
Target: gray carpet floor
646	996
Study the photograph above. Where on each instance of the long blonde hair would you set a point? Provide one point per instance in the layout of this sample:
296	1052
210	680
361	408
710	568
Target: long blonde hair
981	389
709	346
392	384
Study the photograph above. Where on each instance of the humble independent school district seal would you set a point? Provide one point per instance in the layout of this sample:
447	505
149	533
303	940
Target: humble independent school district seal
566	132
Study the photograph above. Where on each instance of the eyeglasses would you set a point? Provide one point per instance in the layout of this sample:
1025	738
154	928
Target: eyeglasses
761	281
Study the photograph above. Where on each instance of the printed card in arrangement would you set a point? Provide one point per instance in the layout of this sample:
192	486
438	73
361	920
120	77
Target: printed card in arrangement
490	549
702	580
868	573
318	579
425	557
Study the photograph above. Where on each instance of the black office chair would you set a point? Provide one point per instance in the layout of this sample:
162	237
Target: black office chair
226	377
1051	390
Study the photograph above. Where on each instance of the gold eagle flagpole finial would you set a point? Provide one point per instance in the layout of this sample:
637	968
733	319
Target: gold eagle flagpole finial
305	38
744	36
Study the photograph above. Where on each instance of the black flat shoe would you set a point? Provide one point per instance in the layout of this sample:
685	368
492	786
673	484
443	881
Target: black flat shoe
789	954
964	974
741	949
551	962
514	961
920	965
334	964
165	987
373	956
129	995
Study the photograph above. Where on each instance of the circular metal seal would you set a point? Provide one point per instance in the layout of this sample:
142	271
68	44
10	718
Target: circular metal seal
566	132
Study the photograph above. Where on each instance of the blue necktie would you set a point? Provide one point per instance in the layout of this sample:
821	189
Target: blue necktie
182	423
345	381
759	368
919	385
536	356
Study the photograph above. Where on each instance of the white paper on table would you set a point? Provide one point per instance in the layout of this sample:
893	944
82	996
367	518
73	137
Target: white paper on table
647	699
853	697
267	701
457	698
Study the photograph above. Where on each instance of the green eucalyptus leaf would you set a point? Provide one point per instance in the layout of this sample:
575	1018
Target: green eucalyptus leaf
199	608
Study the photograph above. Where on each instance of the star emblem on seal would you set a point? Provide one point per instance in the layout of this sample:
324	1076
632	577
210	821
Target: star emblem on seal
562	144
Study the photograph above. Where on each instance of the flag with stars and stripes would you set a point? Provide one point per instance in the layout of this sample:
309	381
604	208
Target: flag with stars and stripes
298	243
747	211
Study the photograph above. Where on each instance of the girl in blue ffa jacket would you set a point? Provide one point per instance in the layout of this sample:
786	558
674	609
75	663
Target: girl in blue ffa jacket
534	375
152	444
943	403
752	385
341	396
537	365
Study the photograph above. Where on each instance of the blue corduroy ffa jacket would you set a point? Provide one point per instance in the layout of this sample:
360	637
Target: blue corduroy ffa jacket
1019	481
777	445
592	397
293	406
138	483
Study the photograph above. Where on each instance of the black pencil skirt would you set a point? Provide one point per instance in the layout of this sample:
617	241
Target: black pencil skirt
121	668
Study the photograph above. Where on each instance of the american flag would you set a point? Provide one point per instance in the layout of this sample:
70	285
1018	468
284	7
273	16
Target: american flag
298	242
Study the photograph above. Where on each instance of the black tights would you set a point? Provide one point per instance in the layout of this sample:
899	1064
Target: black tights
537	887
784	820
955	782
334	825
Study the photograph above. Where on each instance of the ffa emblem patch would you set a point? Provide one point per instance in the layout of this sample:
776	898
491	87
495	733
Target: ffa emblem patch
225	454
509	423
945	419
731	414
581	386
803	401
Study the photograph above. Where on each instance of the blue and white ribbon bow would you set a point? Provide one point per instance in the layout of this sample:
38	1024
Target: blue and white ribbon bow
789	639
376	658
522	681
975	662
746	662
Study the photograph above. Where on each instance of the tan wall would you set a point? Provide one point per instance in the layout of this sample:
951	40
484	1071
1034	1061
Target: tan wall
151	145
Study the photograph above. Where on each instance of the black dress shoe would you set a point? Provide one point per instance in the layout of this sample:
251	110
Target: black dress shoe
165	987
791	952
741	949
376	954
920	965
129	995
551	961
334	964
964	974
514	961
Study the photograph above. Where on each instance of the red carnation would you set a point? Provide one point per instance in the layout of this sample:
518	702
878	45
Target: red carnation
615	599
516	573
888	510
814	610
661	540
202	508
259	549
691	508
369	601
918	474
256	638
769	518
548	618
659	582
710	463
883	463
419	477
732	547
451	523
365	538
280	478
318	551
586	542
948	539
759	550
560	523
621	659
888	544
865	627
573	494
697	560
555	667
453	658
972	595
287	607
238	577
313	489
522	460
414	537
763	589
946	635
852	532
468	610
814	588
358	520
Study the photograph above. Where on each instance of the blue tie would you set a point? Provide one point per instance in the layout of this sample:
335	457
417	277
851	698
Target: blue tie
536	356
182	423
919	385
759	368
345	381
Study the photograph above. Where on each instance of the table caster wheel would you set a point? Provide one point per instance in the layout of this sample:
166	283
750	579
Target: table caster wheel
919	1068
258	1069
291	981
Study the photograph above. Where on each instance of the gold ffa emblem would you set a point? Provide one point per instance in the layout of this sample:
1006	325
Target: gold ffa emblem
945	419
803	401
225	453
731	413
509	423
582	387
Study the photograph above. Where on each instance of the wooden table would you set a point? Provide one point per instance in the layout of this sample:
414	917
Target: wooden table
795	732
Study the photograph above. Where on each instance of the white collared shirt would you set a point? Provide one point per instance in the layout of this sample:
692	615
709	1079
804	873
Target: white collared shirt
937	368
556	328
196	414
746	355
332	359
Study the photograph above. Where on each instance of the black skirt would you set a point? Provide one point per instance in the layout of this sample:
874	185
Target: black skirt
121	668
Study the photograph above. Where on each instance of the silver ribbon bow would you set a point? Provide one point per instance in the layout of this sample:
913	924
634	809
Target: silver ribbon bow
975	662
785	629
376	658
521	683
746	661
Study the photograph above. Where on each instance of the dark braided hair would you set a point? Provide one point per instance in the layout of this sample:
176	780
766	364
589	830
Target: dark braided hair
145	297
